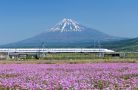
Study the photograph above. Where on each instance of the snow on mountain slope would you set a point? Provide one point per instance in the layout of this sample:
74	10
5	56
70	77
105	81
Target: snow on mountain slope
67	25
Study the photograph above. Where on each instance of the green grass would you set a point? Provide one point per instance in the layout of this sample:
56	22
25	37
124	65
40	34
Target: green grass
67	56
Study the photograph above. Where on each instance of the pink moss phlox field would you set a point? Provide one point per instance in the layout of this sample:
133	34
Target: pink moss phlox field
96	76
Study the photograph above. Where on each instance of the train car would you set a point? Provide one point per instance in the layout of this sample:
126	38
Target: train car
57	50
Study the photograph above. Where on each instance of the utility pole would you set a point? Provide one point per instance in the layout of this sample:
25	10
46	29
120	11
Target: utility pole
99	44
94	43
43	47
8	55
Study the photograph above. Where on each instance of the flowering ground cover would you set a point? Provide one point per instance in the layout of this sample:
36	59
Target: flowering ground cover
95	76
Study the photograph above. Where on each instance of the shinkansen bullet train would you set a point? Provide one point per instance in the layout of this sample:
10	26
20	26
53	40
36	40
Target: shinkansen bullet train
56	50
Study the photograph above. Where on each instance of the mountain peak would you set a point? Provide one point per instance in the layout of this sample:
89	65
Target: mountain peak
66	20
67	25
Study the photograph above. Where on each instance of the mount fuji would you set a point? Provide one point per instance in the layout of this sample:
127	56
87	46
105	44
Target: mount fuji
67	33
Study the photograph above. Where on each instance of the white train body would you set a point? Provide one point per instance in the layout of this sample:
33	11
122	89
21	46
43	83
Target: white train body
57	50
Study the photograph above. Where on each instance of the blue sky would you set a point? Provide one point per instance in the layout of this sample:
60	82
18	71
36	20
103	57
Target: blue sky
21	19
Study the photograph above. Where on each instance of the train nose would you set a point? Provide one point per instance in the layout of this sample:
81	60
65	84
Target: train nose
111	51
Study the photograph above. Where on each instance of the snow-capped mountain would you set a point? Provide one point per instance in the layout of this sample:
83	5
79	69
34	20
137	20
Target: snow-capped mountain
65	33
67	25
